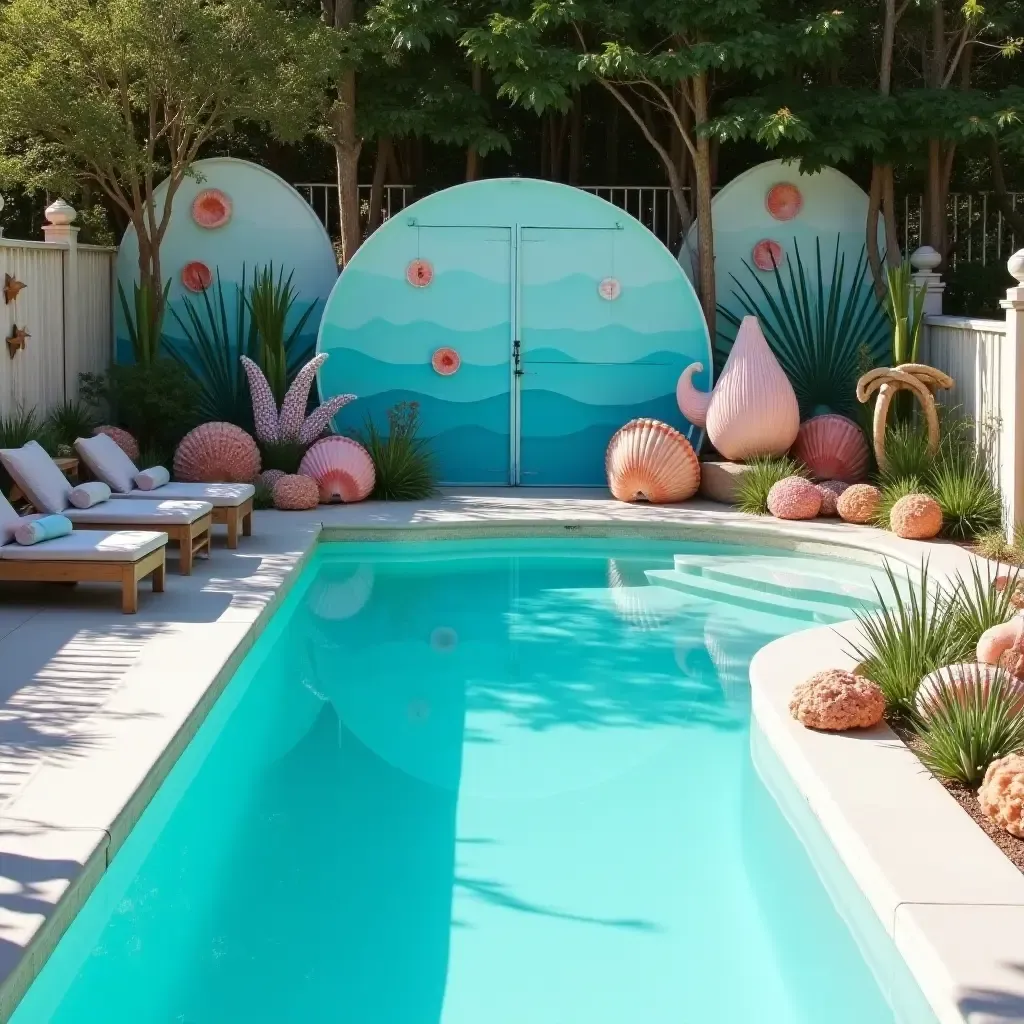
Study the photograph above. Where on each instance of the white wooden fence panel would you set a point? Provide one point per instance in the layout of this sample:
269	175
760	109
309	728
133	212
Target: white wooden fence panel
94	347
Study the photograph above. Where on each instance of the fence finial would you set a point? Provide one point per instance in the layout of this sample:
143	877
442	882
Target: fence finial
925	260
1015	265
60	228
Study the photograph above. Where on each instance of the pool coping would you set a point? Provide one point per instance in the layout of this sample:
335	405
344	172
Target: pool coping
81	823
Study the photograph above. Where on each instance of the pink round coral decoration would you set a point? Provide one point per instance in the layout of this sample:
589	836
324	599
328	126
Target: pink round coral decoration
419	273
1001	794
835	701
916	517
832	448
609	289
830	491
296	493
445	361
217	453
859	503
196	276
121	438
269	477
956	682
794	498
648	460
211	208
342	469
765	251
784	201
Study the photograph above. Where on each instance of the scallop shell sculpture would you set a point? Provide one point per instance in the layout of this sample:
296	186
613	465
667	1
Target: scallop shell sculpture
296	493
832	447
342	469
955	682
121	438
648	460
216	453
753	408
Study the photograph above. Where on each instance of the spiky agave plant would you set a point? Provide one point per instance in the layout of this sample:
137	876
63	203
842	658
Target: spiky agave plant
762	473
976	604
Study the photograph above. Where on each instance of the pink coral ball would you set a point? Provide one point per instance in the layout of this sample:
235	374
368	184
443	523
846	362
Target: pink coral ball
859	503
294	492
269	477
834	701
215	453
794	498
830	491
121	438
1001	794
916	517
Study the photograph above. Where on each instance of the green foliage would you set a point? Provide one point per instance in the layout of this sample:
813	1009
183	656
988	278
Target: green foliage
403	462
144	321
906	451
892	490
761	475
968	728
974	606
20	427
975	289
151	455
264	496
905	640
971	503
69	421
820	322
285	456
904	306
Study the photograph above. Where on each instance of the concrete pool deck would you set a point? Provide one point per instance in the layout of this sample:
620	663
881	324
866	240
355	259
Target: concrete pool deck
96	706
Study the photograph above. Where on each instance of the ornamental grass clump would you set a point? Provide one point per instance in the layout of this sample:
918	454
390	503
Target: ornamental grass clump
402	461
762	474
971	504
892	490
974	606
906	452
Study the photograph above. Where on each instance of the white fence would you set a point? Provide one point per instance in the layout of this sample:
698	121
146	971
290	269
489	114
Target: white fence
66	309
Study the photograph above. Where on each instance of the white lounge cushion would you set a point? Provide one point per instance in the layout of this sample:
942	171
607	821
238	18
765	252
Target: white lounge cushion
218	495
92	493
144	513
88	546
108	462
9	521
38	476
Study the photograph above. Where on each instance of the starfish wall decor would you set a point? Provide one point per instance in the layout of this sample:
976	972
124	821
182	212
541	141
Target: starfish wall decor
11	288
17	339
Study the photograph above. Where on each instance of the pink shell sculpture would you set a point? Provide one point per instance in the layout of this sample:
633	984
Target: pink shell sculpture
794	498
211	209
859	503
1003	645
296	493
835	701
217	453
269	477
419	273
1001	794
1000	583
196	276
830	491
445	361
121	438
753	408
916	517
784	201
647	460
832	448
609	289
955	682
342	469
765	251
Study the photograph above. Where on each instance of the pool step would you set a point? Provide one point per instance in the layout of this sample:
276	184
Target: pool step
809	609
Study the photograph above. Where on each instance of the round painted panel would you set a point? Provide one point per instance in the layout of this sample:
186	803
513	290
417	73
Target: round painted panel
258	219
541	411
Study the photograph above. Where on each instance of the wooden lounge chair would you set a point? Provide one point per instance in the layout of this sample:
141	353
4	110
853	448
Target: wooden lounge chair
124	557
232	503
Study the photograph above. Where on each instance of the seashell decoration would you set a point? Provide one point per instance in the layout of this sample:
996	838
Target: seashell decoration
445	361
637	603
196	276
342	469
609	289
217	453
269	477
211	208
794	498
336	599
784	201
647	460
296	493
832	447
956	682
121	438
765	252
419	273
753	408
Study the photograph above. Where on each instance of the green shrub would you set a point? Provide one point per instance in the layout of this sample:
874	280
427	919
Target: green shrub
993	544
906	452
761	475
69	421
154	455
282	455
967	729
974	606
892	491
403	463
20	427
264	496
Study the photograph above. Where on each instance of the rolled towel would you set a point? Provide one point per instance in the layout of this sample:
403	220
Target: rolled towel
87	495
43	528
152	478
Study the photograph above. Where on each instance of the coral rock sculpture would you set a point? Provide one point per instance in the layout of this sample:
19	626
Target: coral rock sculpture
832	447
956	682
647	460
859	503
784	201
269	477
1003	645
292	425
916	517
922	380
830	491
217	453
342	469
834	701
794	498
296	493
211	209
121	438
1001	794
752	410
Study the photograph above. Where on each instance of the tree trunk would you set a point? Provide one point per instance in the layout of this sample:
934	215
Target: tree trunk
472	155
380	170
702	206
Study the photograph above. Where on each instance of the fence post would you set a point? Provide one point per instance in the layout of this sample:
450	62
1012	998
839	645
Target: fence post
924	261
60	231
1011	400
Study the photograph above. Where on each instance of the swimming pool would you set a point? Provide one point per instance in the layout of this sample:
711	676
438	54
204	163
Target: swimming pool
483	782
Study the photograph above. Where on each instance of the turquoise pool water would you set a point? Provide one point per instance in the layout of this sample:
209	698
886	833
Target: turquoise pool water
492	783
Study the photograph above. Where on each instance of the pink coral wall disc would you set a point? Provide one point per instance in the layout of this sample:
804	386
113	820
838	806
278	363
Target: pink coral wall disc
445	361
784	201
196	276
211	209
419	273
765	251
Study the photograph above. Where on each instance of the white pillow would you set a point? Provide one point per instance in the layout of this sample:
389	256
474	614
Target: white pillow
38	476
107	462
9	521
152	479
87	495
